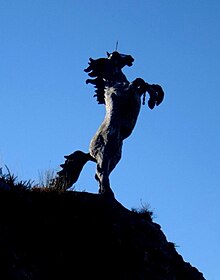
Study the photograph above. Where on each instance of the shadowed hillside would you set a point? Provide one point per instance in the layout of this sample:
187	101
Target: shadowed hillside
48	234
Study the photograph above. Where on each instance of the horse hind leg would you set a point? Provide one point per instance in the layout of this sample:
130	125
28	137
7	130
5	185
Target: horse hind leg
102	176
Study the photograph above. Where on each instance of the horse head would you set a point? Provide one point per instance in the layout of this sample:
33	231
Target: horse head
120	60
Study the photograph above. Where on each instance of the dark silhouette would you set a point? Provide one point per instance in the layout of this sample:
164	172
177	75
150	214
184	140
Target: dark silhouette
122	100
47	234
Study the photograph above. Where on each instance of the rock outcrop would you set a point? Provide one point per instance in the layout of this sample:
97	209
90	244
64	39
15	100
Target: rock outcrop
77	235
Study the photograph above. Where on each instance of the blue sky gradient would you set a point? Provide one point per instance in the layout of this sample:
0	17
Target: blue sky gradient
171	161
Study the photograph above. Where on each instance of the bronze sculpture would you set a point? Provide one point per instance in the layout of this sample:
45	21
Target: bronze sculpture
122	100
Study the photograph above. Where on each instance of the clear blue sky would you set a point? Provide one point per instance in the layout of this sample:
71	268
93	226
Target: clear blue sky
171	161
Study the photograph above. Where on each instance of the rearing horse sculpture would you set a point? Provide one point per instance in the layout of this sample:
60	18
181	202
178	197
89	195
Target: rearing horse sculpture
122	100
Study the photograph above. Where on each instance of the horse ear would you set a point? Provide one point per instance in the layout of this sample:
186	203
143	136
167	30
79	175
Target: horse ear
108	54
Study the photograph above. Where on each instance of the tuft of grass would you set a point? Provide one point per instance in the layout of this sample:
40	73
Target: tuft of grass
144	211
48	180
12	182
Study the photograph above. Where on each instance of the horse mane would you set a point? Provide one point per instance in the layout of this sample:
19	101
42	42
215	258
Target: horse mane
97	69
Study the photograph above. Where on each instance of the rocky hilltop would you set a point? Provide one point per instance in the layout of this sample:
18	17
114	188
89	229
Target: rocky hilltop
48	234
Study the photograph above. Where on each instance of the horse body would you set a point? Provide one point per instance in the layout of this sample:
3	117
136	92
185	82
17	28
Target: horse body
119	121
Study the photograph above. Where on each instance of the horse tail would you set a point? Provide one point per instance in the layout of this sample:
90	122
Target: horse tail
71	169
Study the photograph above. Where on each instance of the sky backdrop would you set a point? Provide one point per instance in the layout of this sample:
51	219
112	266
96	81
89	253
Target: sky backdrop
171	161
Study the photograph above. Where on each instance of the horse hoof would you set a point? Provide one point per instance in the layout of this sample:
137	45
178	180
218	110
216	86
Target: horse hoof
107	192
